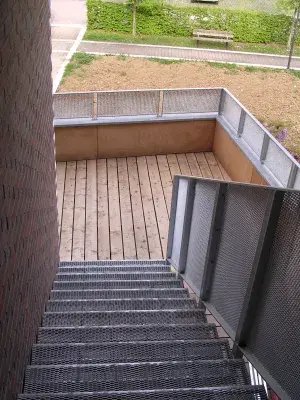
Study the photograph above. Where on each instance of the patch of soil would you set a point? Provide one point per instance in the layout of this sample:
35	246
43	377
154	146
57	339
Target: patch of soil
273	97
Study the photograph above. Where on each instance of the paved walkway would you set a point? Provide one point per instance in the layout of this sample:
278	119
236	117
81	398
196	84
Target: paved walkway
142	50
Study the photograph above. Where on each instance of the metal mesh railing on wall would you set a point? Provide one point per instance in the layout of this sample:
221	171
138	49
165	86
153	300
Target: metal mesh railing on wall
238	249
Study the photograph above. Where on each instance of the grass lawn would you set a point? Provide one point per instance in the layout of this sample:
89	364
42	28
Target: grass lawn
103	36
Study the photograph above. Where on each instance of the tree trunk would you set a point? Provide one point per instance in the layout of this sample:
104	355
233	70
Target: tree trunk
292	30
134	18
293	38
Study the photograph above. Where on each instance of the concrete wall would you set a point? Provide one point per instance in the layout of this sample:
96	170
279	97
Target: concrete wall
28	215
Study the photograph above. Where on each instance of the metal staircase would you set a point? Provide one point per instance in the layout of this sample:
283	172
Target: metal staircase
129	330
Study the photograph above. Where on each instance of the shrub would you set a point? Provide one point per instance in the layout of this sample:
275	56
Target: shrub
154	18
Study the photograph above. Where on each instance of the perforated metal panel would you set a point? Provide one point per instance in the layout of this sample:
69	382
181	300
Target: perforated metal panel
253	135
275	336
124	333
135	376
243	218
191	101
225	393
178	227
75	105
127	103
278	163
231	111
205	193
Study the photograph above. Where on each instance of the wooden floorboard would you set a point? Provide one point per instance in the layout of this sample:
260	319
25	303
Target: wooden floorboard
119	208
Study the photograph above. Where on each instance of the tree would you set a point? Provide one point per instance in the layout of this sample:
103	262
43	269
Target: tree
288	5
148	7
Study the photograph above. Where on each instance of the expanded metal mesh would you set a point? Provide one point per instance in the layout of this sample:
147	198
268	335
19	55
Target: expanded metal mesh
253	135
92	318
124	333
118	294
96	353
205	193
115	276
275	337
242	221
135	376
116	284
178	227
191	101
231	110
120	304
127	103
114	268
114	263
225	393
73	105
278	162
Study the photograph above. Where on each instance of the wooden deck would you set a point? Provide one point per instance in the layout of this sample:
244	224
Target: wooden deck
119	208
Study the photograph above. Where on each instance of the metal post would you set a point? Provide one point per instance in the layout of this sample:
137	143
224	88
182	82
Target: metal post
188	212
222	101
264	148
292	176
160	104
293	38
213	241
172	215
95	106
256	281
241	123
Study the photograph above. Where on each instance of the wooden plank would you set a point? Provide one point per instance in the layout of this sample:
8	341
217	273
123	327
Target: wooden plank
173	165
60	189
203	165
79	212
159	205
149	212
226	177
126	211
116	243
166	179
213	165
68	213
91	212
194	167
103	214
137	210
183	164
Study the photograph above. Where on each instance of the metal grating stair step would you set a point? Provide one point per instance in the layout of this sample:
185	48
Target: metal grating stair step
126	333
122	276
121	263
119	294
95	353
134	376
141	317
117	284
120	304
217	393
114	268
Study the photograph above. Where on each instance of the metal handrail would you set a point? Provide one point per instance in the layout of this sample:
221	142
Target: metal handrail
85	108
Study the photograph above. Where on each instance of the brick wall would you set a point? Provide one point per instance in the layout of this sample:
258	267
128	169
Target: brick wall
28	216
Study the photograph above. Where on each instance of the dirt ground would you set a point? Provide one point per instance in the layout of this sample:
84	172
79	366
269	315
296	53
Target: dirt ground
273	97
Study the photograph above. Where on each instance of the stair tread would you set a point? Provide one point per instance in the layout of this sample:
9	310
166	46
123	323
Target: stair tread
114	276
120	284
119	293
135	376
89	353
119	304
124	332
114	268
115	262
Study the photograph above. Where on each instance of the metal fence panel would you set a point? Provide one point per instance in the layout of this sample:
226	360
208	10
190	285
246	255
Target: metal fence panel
191	101
127	103
179	220
73	105
243	217
231	111
278	162
275	337
205	193
253	135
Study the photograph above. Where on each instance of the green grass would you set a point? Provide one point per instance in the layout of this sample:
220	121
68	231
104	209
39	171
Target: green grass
271	48
77	61
165	60
121	57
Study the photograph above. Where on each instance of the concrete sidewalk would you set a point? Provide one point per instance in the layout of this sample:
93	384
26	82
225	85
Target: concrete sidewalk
224	56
